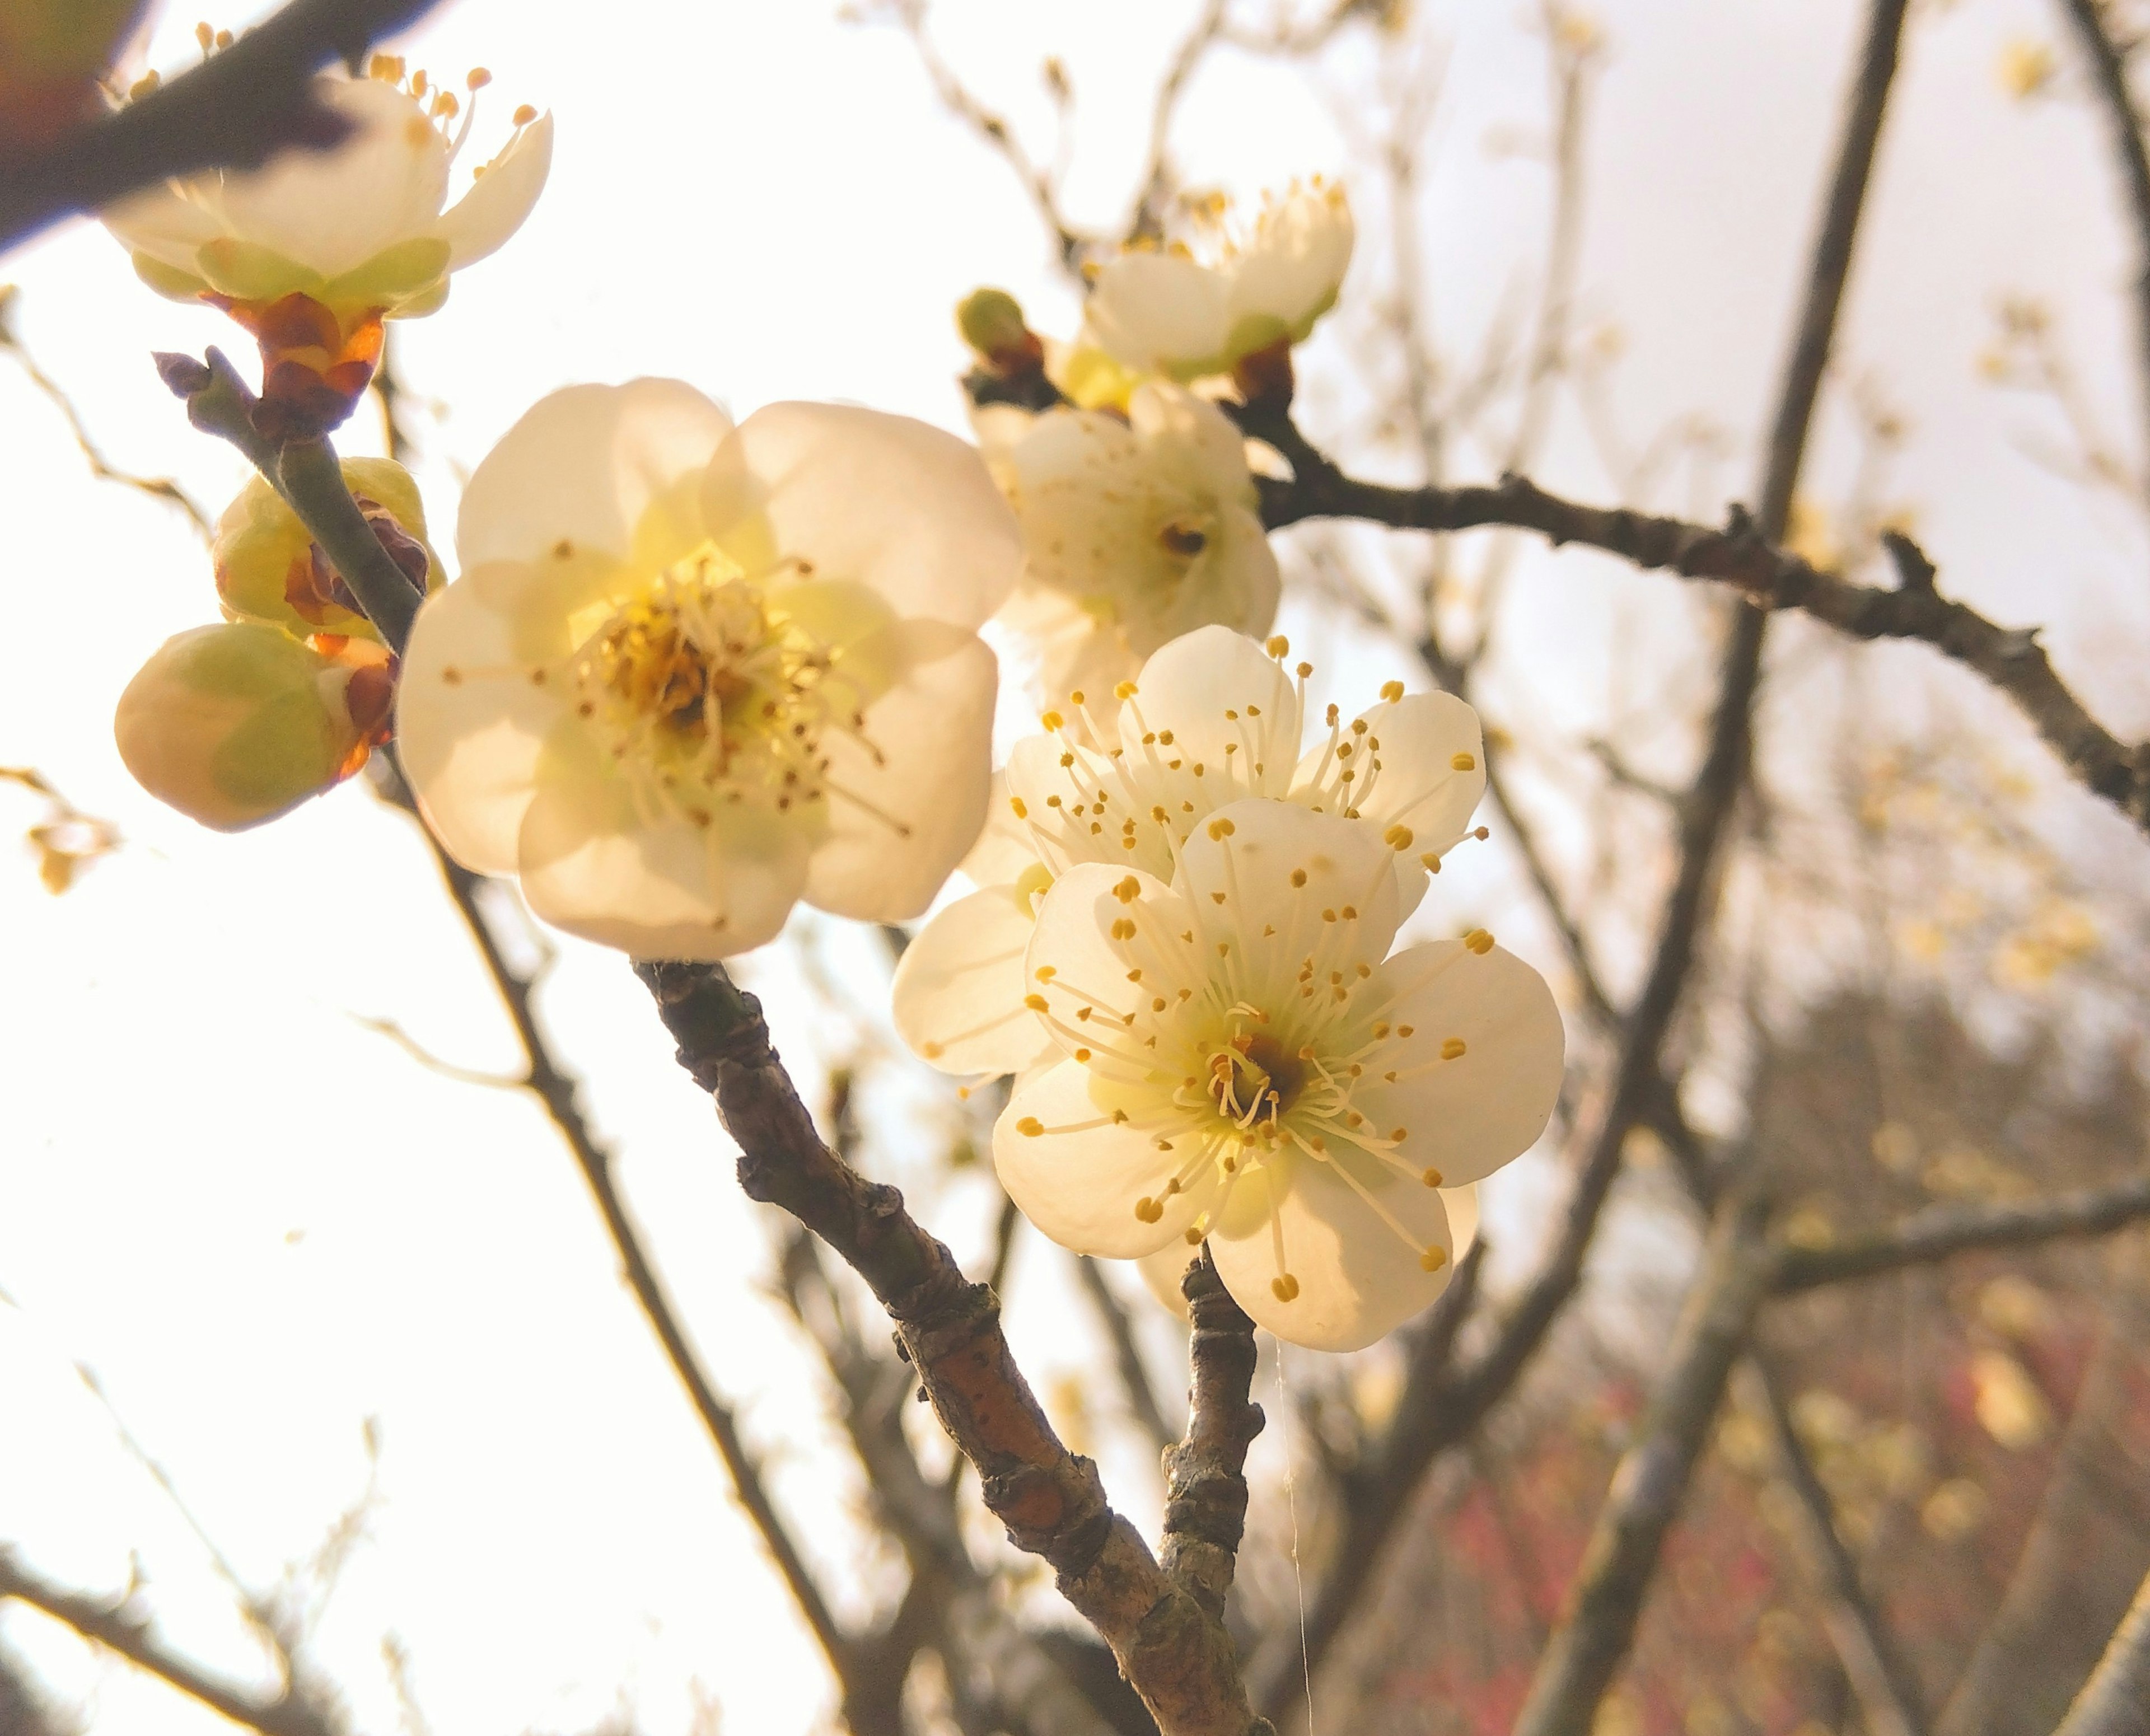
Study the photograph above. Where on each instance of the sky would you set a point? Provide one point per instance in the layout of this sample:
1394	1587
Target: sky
265	1228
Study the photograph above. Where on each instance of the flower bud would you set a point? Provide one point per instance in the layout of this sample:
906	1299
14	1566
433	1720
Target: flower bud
268	569
236	724
992	323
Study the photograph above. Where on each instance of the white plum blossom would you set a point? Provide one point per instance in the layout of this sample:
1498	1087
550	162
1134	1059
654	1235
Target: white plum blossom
1236	1058
1213	720
358	227
692	674
1198	305
1137	529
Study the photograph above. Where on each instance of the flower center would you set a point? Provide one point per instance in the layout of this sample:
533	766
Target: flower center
700	682
1253	1080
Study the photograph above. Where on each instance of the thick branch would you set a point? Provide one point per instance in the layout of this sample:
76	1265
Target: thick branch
1606	1601
110	1625
2108	70
1942	1230
1179	1657
2116	1700
235	111
1887	1693
1205	1510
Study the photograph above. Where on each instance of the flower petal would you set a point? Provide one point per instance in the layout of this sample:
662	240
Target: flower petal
1358	1279
499	199
1228	706
332	210
1313	879
1468	1116
1462	1208
1084	966
880	501
663	889
957	996
1158	313
586	465
1162	1273
1080	1180
162	223
907	794
1432	774
469	731
1294	262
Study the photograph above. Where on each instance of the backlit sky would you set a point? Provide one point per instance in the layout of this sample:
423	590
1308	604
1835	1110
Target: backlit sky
262	1225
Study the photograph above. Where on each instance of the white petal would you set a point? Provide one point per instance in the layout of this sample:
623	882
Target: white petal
1072	832
1294	261
1158	313
162	223
470	741
1081	1188
586	465
1467	1117
1004	848
501	198
333	210
1200	437
1461	1204
1085	968
666	889
1420	784
908	818
879	499
1213	690
1358	1277
957	996
1346	901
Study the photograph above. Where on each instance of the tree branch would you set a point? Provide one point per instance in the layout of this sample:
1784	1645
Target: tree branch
1205	1510
1610	1589
2108	70
236	110
1177	1657
2116	1700
1940	1231
110	1625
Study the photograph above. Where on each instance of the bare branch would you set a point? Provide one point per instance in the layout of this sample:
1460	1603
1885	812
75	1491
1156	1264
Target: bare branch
2109	69
2116	1700
1607	1599
1177	1656
1887	1693
109	1624
1205	1513
1943	1230
235	111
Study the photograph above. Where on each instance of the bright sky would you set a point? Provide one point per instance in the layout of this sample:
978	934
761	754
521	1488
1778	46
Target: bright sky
261	1225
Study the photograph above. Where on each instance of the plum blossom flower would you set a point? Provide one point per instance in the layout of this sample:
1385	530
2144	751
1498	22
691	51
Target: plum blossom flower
1208	300
693	674
1236	1058
1214	720
1135	529
312	252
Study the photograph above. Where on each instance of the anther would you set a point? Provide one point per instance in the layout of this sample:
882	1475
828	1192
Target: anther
1285	1287
1433	1260
1452	1049
1030	1126
1221	829
1479	941
1397	837
1464	762
1431	1178
1279	646
1392	691
1148	1210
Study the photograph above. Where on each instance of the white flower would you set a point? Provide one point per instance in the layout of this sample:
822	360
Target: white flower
1136	530
1212	721
1238	1060
360	226
692	674
1192	311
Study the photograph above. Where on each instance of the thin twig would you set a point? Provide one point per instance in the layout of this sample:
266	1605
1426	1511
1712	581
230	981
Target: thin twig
236	110
1940	1231
1887	1693
1135	1384
2109	69
2116	1700
109	1624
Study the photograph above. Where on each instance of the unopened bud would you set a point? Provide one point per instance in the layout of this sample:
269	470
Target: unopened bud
992	323
183	375
236	724
268	569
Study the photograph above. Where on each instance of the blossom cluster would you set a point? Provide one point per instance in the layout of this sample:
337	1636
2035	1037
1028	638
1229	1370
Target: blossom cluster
691	673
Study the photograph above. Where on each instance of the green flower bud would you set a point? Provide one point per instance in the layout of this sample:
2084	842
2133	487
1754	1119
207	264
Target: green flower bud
236	724
269	570
992	323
